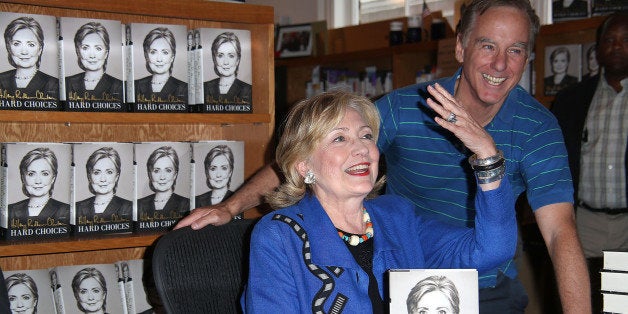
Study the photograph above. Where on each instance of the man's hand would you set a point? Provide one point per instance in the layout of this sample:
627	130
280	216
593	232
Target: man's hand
218	214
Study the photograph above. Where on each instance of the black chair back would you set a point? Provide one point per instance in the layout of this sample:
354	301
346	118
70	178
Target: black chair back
202	271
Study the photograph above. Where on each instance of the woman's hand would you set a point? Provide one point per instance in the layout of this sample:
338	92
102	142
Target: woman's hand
453	117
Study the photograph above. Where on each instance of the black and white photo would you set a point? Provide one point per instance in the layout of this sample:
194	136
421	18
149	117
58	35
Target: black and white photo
562	67
103	187
29	78
39	201
227	70
447	291
160	81
93	64
29	291
218	170
163	184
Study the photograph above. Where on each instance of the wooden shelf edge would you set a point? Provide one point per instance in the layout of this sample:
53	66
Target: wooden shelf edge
428	46
131	118
12	249
191	9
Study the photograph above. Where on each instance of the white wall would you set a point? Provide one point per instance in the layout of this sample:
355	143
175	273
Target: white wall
294	11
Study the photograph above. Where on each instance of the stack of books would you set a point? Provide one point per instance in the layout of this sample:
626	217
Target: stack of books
614	279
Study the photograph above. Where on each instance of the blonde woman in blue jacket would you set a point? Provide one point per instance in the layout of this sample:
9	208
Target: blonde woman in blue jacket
330	244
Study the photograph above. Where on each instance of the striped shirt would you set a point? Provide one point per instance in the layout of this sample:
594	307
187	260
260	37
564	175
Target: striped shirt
428	164
602	166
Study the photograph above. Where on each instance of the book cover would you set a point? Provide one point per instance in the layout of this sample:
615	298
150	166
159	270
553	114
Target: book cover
603	7
160	68
433	290
93	65
29	74
562	67
89	289
563	10
130	277
103	188
30	291
163	184
218	170
37	201
226	71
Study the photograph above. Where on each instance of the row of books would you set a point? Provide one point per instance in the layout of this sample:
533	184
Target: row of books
52	190
108	288
563	10
85	64
614	279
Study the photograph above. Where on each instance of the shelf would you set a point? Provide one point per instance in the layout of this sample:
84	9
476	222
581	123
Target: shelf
131	118
13	249
428	46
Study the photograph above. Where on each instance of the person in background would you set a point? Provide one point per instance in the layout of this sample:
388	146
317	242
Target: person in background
103	172
23	295
327	247
38	171
162	167
92	45
24	40
593	116
227	88
559	61
434	294
90	290
429	167
160	50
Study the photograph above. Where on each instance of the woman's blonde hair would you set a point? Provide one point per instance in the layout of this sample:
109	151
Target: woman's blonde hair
307	123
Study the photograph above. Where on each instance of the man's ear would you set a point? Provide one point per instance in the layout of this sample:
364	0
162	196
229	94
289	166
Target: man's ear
459	49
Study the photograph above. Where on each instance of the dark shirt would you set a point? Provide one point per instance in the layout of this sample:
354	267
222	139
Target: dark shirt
57	210
41	83
176	207
108	88
117	210
239	93
205	199
552	89
174	91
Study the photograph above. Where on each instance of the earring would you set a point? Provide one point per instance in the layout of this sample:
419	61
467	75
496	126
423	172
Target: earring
309	177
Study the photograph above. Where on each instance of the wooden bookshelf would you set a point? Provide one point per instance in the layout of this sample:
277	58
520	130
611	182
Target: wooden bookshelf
255	129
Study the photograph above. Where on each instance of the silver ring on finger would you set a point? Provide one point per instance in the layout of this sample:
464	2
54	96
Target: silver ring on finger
452	118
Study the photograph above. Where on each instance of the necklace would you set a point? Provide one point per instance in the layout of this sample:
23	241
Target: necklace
27	77
355	239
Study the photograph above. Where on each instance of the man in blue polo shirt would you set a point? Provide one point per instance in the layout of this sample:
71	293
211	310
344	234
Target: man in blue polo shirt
428	165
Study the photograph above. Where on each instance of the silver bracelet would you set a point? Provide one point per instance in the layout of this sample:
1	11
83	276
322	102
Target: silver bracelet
475	161
492	175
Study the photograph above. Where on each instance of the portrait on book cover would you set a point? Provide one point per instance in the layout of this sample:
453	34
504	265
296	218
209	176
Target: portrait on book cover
90	289
590	67
562	67
29	75
449	291
29	291
160	67
219	170
227	70
163	181
40	195
93	63
569	9
103	183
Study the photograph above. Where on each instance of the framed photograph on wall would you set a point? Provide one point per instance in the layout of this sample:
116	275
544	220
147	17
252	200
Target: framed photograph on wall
294	41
